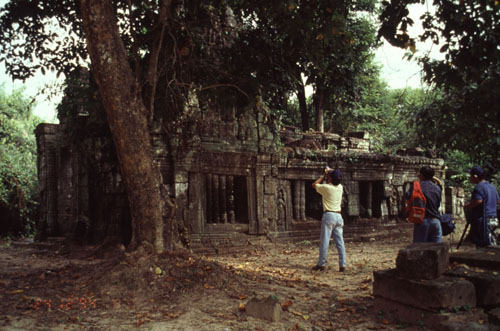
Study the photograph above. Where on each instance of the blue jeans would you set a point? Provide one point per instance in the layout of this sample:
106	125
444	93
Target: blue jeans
428	232
331	222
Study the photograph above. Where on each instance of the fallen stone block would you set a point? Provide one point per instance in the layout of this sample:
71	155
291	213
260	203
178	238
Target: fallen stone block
403	314
494	316
488	258
486	282
268	308
423	260
466	326
430	294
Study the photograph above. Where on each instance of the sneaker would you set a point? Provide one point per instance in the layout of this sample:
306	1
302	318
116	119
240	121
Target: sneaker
318	267
341	269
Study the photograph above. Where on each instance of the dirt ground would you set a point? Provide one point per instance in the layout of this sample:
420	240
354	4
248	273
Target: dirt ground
96	290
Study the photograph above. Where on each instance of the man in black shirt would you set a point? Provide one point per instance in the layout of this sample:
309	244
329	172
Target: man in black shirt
430	229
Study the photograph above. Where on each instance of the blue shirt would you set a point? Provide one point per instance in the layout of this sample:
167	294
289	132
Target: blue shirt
488	194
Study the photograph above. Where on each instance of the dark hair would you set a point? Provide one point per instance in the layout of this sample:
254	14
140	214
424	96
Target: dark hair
335	176
427	172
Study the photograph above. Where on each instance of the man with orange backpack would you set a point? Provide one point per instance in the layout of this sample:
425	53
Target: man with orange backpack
427	229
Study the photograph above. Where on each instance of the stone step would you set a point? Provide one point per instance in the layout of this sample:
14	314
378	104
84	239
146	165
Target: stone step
486	282
428	294
427	320
488	258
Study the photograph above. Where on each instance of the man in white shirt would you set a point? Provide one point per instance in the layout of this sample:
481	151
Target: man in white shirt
332	221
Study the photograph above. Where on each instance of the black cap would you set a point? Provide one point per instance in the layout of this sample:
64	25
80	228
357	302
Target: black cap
476	171
335	173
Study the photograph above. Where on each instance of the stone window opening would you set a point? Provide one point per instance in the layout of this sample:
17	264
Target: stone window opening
306	201
371	197
314	205
226	199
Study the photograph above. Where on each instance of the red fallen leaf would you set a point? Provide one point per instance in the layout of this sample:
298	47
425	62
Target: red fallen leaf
242	297
241	307
286	304
172	315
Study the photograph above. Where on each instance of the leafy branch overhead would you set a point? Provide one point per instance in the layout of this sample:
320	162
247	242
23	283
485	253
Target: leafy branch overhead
467	33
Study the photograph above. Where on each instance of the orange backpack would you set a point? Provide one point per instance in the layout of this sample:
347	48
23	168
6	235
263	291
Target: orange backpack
415	206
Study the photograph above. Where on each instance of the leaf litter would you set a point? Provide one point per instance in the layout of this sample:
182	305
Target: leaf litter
183	290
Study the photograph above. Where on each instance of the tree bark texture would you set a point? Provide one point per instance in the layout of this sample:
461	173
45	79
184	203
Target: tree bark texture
319	104
304	113
127	118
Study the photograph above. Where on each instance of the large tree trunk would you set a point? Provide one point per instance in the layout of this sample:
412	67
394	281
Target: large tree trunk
304	113
319	106
127	117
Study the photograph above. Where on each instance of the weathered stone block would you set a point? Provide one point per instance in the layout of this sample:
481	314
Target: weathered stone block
435	294
384	210
268	308
487	284
269	206
388	191
269	185
353	205
400	313
423	260
494	316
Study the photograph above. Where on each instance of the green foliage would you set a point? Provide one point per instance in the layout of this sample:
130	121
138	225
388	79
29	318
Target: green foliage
467	117
457	162
391	116
326	41
18	173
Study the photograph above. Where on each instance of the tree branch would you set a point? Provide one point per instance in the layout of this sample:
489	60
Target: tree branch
152	77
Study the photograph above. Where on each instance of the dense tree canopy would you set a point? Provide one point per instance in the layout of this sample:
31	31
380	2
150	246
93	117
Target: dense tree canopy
284	43
18	176
467	115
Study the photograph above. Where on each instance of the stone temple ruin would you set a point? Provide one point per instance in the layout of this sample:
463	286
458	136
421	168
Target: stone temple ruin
232	175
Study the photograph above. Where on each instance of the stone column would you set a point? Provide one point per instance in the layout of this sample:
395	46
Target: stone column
230	199
302	205
209	192
296	199
47	145
215	202
369	199
222	199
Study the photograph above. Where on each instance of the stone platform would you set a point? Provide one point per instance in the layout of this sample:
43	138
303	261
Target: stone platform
427	290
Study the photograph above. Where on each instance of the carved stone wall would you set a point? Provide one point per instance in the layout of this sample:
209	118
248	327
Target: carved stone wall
240	174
